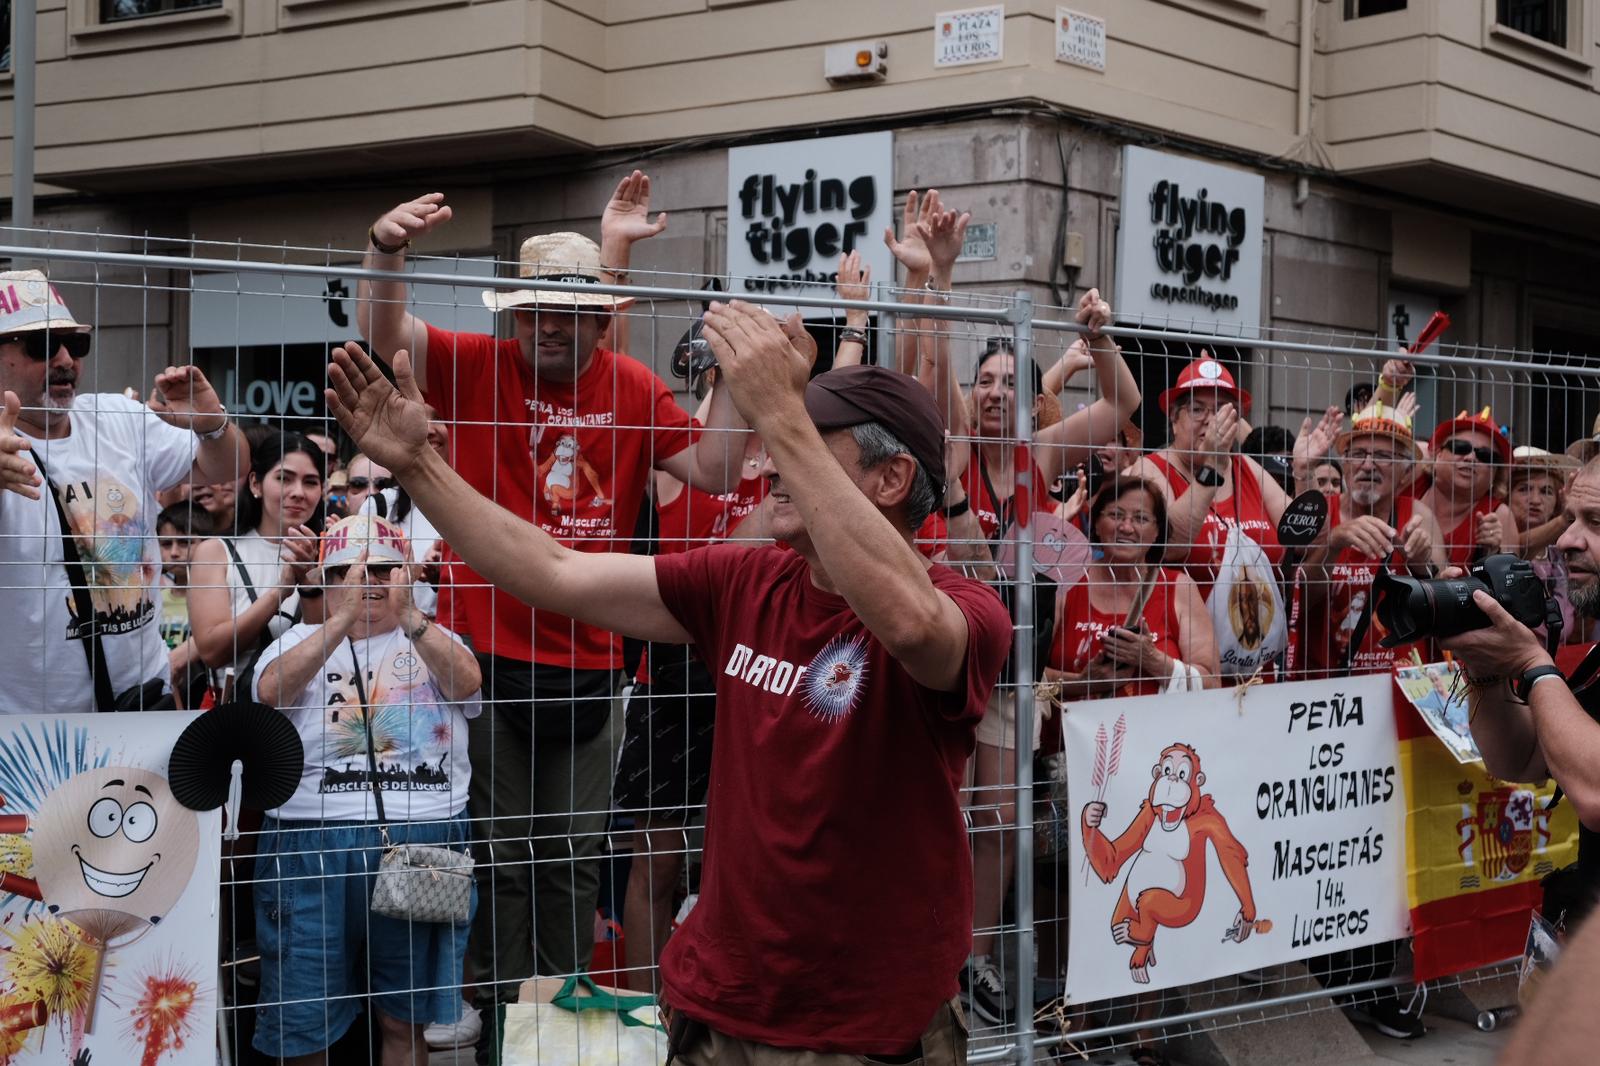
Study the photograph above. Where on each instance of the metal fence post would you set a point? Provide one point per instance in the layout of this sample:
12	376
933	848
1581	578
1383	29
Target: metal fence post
1022	505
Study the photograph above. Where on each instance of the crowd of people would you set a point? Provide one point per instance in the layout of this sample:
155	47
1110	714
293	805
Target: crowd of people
438	594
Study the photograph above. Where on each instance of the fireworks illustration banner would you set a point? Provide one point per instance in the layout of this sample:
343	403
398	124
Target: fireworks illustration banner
1231	830
108	889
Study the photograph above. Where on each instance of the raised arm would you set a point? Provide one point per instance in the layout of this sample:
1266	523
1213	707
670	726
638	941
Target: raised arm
873	565
1072	440
1073	361
611	590
1187	511
381	313
184	398
855	283
927	249
624	223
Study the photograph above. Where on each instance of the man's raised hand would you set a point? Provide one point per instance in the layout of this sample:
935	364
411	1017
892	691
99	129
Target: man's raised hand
411	220
943	232
911	249
626	217
389	425
184	398
764	368
16	473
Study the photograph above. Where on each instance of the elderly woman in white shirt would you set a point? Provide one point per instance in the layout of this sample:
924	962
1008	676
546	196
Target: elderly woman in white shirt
381	697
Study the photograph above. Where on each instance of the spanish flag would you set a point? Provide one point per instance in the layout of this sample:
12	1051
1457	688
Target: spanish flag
1476	848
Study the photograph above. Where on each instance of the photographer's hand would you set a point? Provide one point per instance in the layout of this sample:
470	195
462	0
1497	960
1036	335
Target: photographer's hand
1507	648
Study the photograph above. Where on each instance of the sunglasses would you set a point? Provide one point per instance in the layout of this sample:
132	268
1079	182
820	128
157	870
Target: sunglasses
43	344
379	572
1465	448
362	484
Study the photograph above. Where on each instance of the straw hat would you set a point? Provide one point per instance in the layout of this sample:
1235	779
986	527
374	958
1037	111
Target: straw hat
1378	420
568	257
1529	460
1206	373
1587	448
1481	422
28	302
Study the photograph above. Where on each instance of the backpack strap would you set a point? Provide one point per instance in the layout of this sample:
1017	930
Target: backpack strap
83	604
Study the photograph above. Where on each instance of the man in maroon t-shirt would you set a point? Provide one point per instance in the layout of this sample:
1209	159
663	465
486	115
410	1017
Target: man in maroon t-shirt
564	433
836	903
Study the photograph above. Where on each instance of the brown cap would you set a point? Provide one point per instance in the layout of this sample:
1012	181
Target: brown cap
852	395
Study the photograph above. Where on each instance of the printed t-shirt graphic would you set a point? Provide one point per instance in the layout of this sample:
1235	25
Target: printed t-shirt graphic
571	457
1232	560
419	738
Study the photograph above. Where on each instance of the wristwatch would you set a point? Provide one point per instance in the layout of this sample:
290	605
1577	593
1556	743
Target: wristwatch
1522	687
1209	476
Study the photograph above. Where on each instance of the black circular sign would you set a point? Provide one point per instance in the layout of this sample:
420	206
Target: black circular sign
1303	519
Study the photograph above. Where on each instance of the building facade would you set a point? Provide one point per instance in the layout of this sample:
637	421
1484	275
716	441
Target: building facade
1321	169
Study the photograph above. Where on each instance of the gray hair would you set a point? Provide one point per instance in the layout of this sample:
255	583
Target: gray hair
878	446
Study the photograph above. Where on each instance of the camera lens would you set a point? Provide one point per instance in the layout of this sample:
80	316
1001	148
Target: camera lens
1410	609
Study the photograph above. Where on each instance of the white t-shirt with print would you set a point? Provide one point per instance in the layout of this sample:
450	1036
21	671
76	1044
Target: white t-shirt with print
106	473
419	738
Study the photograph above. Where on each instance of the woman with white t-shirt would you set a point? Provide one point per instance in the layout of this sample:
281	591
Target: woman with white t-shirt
247	589
380	696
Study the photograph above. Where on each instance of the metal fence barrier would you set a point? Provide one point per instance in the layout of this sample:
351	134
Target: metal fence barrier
145	297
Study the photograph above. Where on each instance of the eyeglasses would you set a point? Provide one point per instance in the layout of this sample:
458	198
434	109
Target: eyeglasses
362	484
1465	448
1140	519
1357	456
378	572
43	344
1198	411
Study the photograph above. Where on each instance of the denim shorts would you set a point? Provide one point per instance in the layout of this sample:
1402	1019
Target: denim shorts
312	895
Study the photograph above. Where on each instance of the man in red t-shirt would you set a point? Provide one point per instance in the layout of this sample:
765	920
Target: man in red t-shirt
836	903
564	433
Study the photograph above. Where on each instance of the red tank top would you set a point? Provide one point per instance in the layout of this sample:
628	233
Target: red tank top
692	518
1462	541
1328	626
992	514
1246	508
1079	634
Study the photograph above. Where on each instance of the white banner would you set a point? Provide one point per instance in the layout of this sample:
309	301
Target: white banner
1189	243
1213	834
795	206
108	899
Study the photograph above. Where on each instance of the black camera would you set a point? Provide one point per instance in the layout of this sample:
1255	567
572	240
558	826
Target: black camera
1411	608
692	356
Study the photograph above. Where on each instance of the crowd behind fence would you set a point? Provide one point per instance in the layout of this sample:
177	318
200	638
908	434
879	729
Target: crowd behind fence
1125	500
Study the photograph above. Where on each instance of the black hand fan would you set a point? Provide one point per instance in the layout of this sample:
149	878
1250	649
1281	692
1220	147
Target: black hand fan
255	735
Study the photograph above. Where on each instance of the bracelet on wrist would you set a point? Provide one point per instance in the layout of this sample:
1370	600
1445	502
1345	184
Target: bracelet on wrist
217	433
311	592
386	249
851	333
